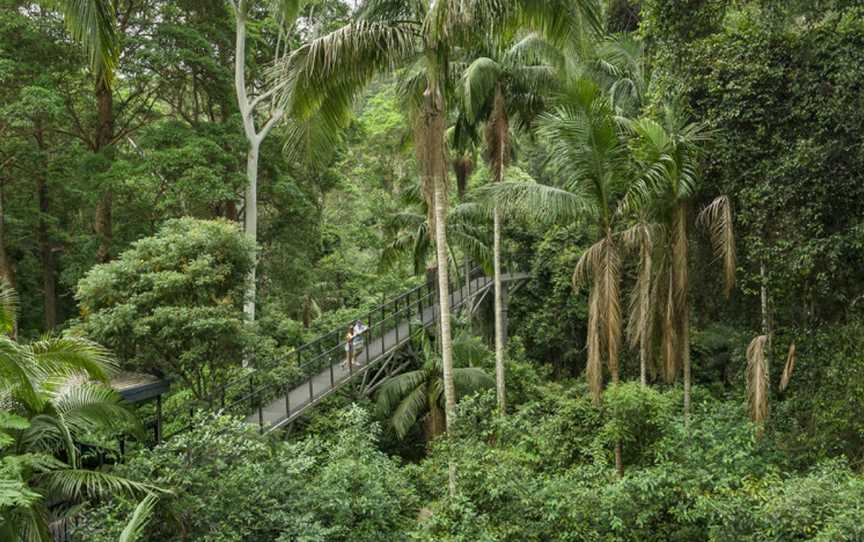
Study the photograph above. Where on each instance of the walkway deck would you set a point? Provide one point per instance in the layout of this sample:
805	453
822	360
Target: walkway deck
284	410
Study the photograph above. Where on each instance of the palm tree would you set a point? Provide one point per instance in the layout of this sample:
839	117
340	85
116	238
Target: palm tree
417	396
668	153
507	79
587	155
56	395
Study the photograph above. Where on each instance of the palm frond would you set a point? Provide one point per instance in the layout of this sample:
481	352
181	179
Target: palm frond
547	204
89	406
589	264
717	218
92	23
470	380
594	367
134	529
478	86
789	367
757	380
77	484
18	373
640	237
330	70
71	355
610	272
671	354
392	392
409	410
8	307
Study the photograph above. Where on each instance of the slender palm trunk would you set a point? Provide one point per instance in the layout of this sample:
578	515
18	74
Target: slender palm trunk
462	167
500	383
766	317
434	173
49	272
500	128
644	307
7	271
681	279
46	253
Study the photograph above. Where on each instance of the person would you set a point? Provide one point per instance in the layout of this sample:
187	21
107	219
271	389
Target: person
359	331
349	348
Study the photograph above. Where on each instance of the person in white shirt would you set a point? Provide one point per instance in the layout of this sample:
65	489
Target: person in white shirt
359	331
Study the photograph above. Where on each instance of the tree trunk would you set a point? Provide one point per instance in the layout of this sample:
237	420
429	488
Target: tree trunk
435	172
104	136
46	254
49	272
7	270
644	307
254	138
500	128
766	317
433	427
681	262
250	225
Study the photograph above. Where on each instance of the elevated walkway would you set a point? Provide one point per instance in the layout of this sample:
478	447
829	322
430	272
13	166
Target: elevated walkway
314	370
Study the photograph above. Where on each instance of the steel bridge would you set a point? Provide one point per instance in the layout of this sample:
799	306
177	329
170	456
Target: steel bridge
315	370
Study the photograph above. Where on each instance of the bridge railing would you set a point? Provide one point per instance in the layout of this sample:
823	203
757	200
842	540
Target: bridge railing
252	392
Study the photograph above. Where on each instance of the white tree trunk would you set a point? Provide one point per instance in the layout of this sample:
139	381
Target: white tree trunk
250	224
254	139
500	385
499	118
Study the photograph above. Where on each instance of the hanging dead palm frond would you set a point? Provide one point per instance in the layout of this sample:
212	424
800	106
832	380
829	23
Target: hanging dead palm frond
788	368
641	322
717	218
757	380
602	263
611	299
594	366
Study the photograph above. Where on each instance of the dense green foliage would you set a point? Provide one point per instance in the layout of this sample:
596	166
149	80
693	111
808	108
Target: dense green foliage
171	303
600	129
228	485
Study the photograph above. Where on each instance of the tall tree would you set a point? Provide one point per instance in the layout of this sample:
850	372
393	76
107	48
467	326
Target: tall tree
100	26
506	80
266	100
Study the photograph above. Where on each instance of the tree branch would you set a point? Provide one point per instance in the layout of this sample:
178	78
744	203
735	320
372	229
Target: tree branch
277	116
